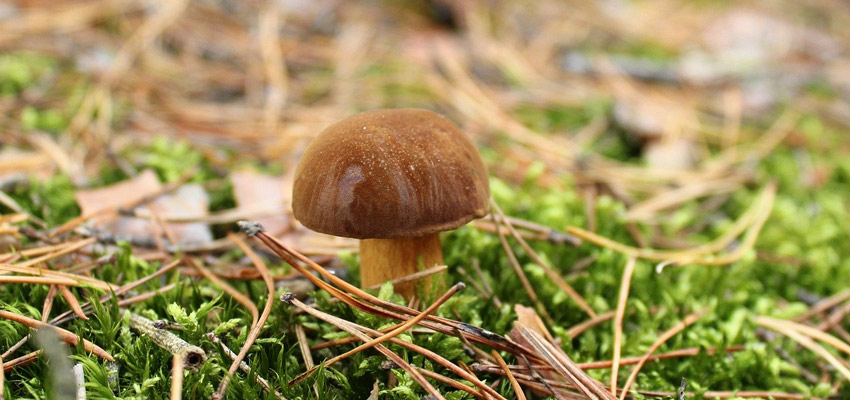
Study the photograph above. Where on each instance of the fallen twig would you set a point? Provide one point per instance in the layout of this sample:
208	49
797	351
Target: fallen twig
193	356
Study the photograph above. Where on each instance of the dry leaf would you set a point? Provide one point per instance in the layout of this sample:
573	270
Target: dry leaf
529	318
188	201
134	189
258	194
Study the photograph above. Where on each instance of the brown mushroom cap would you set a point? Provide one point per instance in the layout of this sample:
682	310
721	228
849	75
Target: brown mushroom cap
390	174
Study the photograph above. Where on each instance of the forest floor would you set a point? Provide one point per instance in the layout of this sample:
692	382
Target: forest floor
672	181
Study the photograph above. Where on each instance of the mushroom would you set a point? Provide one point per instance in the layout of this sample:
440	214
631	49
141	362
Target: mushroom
394	179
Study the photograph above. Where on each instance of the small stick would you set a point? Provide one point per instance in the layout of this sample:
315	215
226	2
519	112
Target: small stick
688	352
41	250
483	355
15	347
145	296
824	305
65	335
192	356
835	317
71	279
477	267
625	284
520	395
811	332
69	248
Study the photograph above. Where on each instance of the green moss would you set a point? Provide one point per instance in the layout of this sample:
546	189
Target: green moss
19	70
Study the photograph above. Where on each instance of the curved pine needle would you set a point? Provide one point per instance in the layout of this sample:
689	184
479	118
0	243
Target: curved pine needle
38	280
814	333
352	330
551	273
780	327
401	328
72	302
238	296
520	395
258	324
690	319
625	285
751	222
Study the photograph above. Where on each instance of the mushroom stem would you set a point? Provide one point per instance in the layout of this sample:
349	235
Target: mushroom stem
382	260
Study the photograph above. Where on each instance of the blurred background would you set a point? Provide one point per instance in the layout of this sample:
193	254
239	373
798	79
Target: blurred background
664	85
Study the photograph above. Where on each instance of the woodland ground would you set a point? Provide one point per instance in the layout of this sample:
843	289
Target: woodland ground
697	148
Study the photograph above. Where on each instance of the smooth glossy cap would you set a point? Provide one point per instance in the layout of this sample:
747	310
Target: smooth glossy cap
390	174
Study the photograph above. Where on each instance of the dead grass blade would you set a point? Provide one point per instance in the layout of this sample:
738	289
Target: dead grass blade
578	329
